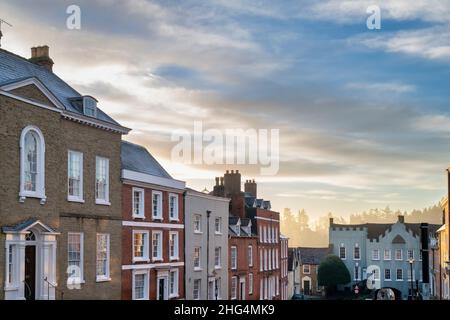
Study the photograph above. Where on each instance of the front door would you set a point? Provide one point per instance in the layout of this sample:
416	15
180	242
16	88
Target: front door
306	287
162	288
30	272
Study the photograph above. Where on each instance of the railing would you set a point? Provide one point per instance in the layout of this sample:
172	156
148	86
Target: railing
49	284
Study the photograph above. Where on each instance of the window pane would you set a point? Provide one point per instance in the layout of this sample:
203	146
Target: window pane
30	162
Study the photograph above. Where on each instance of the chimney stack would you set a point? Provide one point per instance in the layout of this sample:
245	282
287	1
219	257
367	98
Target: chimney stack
401	219
40	56
250	187
232	183
217	181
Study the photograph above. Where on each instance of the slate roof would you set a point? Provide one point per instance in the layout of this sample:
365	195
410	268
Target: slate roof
14	68
312	255
232	222
137	158
374	230
249	201
22	226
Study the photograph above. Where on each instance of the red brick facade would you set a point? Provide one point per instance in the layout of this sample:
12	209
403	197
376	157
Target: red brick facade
157	270
246	288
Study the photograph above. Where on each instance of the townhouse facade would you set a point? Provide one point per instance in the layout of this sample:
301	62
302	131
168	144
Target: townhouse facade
265	224
206	245
152	228
243	264
388	255
293	272
309	261
442	250
60	202
284	268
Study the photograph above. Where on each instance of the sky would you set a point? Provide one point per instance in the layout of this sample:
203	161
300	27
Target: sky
363	114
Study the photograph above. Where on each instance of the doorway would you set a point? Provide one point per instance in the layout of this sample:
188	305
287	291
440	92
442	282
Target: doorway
162	288
242	290
306	287
30	272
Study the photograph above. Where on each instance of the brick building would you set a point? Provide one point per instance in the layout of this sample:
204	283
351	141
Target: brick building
60	199
153	228
310	259
284	268
243	278
265	224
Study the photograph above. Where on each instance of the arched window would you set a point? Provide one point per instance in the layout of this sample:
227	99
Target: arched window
32	164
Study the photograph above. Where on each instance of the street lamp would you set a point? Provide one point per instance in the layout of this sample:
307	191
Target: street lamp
411	262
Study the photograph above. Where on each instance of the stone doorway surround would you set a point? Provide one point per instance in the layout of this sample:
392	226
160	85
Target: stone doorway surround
31	232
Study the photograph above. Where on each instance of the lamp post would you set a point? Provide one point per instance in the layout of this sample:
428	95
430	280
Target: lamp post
411	262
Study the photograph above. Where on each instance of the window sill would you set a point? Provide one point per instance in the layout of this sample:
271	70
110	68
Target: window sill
217	267
399	280
102	202
174	258
26	194
387	280
198	269
141	260
218	233
138	217
160	219
174	220
78	200
157	260
198	232
103	279
173	296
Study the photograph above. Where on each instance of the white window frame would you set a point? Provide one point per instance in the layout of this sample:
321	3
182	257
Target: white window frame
199	266
40	166
175	217
306	269
387	255
234	281
355	249
401	255
199	281
376	254
345	252
11	267
357	273
176	255
396	275
250	255
81	235
159	252
250	283
146	257
73	198
219	264
199	229
99	200
218	230
141	214
105	277
408	252
176	293
234	260
390	274
260	259
159	215
146	284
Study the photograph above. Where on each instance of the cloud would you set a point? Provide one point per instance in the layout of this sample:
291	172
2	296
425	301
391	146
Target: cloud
429	43
384	87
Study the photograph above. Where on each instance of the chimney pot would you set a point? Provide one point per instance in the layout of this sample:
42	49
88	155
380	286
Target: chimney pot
40	56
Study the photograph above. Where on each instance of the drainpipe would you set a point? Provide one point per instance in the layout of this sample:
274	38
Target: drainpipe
184	244
208	214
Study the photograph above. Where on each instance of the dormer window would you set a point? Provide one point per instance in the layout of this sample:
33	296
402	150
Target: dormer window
89	106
